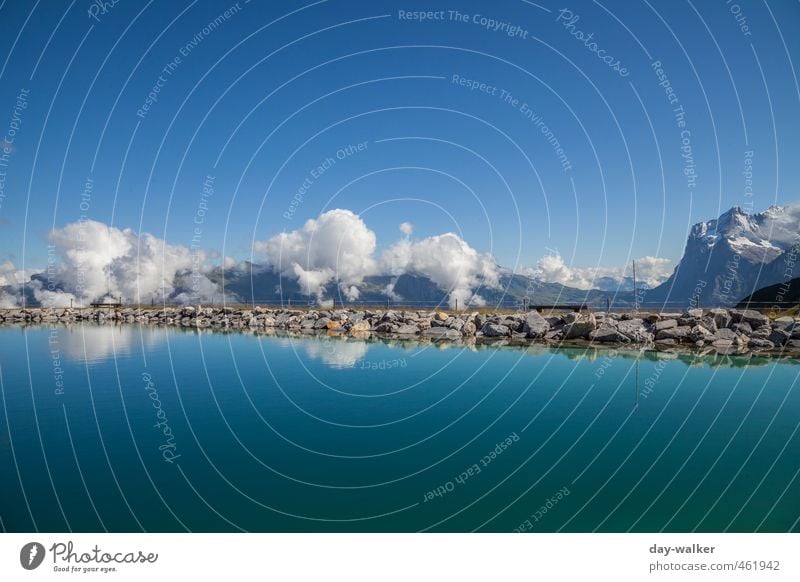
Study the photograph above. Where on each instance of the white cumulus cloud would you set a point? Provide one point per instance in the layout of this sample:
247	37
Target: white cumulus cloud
91	261
552	268
448	261
339	248
336	247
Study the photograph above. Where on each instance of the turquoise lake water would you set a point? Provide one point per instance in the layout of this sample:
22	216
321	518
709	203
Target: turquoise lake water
149	429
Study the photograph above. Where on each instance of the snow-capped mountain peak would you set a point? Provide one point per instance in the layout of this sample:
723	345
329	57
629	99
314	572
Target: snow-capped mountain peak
735	254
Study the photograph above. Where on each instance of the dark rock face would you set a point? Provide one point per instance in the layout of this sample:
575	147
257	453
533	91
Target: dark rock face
779	337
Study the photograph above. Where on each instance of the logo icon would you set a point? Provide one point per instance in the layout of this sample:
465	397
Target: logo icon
32	555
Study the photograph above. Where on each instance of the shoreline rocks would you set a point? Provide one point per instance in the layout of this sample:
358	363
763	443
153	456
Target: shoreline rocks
720	330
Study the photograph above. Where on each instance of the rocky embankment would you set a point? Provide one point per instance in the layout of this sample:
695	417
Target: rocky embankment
723	330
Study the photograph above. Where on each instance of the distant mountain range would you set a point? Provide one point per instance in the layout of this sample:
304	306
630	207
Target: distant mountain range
725	261
733	256
255	283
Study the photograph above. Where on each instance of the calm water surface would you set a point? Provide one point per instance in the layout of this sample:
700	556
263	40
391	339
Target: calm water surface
142	428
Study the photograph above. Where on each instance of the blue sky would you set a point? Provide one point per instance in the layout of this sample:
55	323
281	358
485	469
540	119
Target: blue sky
277	88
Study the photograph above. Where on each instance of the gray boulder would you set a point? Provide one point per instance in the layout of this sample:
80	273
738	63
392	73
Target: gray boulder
580	328
665	324
779	337
700	333
742	327
469	329
721	317
763	332
457	324
760	344
784	322
495	330
407	330
676	333
725	334
754	318
535	325
635	330
442	333
606	333
571	317
722	343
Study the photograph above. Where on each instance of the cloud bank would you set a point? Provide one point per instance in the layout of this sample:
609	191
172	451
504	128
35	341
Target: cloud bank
651	271
449	262
334	253
89	261
338	250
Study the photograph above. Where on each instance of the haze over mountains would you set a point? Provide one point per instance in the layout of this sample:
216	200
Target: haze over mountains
334	257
